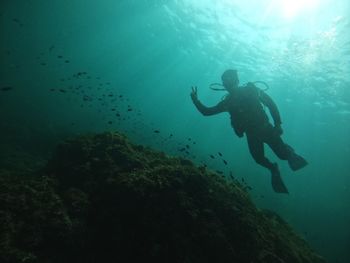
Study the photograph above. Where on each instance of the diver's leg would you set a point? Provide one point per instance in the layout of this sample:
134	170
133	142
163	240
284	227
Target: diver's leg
256	148
284	151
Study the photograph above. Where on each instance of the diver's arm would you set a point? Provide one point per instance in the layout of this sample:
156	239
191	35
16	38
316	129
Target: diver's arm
266	100
207	111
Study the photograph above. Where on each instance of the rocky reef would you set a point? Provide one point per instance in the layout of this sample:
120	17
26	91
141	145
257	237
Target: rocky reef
103	199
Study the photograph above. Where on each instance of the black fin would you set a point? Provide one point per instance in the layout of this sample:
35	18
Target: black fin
276	181
278	185
296	162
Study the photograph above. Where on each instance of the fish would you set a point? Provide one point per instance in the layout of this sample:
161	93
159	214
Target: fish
63	90
17	21
220	153
66	61
212	156
156	131
87	98
59	56
110	122
6	88
219	172
225	162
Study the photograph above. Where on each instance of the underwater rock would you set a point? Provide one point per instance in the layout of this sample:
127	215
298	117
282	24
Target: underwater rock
103	199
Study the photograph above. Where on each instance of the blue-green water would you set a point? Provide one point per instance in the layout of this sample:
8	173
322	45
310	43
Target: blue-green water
76	66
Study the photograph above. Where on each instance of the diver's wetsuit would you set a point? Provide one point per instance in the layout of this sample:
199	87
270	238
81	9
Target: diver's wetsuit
248	116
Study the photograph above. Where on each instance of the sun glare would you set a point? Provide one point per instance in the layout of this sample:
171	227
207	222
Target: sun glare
292	8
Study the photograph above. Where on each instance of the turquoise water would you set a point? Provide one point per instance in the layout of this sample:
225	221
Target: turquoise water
70	67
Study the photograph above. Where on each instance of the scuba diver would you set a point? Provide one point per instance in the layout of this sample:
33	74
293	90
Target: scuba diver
245	106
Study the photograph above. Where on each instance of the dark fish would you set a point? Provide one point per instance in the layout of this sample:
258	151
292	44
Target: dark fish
110	95
59	56
249	188
62	90
189	139
52	89
212	156
17	21
51	48
156	131
110	122
219	172
113	109
43	64
182	149
171	135
129	109
118	115
224	162
79	74
220	153
66	61
87	98
6	88
242	179
187	146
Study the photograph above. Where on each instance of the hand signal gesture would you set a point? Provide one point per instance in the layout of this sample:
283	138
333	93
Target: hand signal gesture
194	93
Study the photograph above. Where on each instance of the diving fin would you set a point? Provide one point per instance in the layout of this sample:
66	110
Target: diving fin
276	181
296	162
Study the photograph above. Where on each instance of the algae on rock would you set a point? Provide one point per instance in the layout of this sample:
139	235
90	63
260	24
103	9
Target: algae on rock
102	198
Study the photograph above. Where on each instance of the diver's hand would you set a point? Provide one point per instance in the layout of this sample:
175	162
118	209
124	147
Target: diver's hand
278	129
194	95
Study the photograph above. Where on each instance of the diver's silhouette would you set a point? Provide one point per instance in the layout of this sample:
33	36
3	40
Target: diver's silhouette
245	106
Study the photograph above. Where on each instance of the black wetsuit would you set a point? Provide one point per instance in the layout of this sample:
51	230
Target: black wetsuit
245	106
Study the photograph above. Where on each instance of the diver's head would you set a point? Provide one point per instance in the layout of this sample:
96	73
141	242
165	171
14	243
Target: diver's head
230	79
